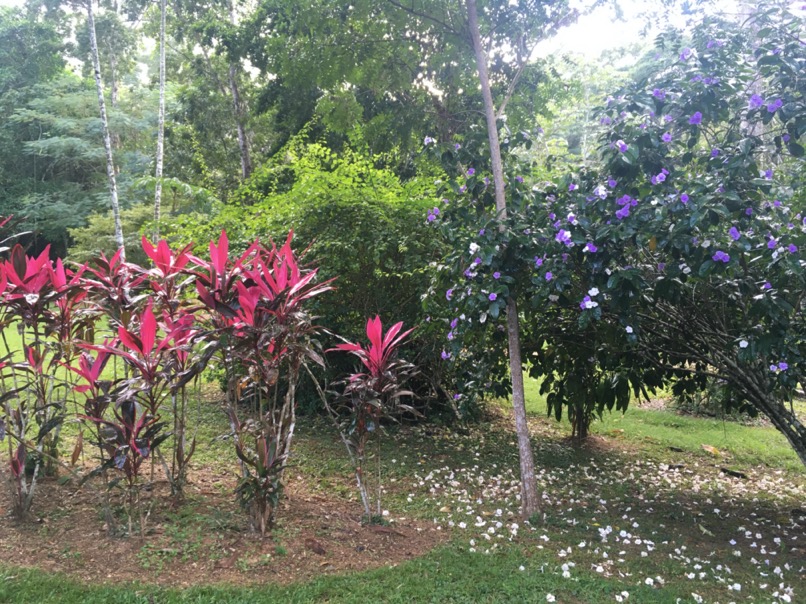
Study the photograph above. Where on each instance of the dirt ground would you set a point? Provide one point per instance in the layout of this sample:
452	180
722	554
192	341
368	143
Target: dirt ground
206	540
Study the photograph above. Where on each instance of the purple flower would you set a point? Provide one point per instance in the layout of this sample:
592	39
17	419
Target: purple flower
623	212
734	233
714	152
606	121
451	335
457	146
622	146
773	368
463	189
611	183
684	198
590	247
573	187
449	294
720	256
538	262
695	119
429	141
792	248
766	285
697	78
477	260
777	203
496	275
667	118
777	104
755	102
456	397
468	273
749	211
783	366
768	174
471	171
549	276
445	355
659	93
481	231
486	181
454	323
785	138
432	214
772	243
661	266
519	178
492	296
666	138
685	54
564	237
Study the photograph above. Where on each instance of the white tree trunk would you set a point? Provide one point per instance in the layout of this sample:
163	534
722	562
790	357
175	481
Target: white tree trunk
529	500
110	162
160	127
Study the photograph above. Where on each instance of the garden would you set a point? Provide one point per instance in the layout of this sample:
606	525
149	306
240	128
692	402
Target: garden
353	335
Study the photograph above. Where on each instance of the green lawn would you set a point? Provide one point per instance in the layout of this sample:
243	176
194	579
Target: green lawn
625	515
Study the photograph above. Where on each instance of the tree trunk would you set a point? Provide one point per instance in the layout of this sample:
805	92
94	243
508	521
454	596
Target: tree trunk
243	138
238	109
160	127
529	500
110	163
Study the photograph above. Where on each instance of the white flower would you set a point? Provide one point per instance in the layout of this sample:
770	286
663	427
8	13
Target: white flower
735	587
697	598
743	344
649	581
521	567
594	291
474	247
550	598
628	329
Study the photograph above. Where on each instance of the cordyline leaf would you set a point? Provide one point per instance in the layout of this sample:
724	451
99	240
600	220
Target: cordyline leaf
219	254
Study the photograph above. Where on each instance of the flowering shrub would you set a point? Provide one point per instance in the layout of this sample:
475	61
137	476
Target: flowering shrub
675	260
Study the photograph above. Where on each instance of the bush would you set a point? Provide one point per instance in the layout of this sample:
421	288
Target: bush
364	226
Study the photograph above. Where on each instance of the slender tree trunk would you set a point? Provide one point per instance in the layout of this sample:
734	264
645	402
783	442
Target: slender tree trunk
243	137
238	109
160	127
529	500
110	163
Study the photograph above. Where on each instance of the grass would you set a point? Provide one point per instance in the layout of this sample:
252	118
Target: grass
624	515
655	430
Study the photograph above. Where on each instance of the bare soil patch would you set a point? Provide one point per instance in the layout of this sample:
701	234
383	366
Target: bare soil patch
206	540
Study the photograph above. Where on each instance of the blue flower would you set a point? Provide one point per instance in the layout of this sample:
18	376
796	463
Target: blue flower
611	183
659	93
590	247
564	237
695	119
734	233
715	152
622	146
755	102
720	256
471	171
573	187
792	248
684	199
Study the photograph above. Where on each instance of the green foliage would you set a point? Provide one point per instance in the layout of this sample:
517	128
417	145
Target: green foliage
360	224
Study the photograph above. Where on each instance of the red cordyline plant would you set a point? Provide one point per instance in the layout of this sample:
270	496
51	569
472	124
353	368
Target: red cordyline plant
368	398
39	299
257	312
